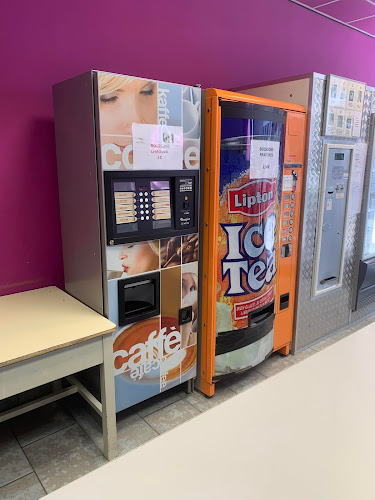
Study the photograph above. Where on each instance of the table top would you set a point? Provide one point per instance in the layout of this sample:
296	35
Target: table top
44	320
305	433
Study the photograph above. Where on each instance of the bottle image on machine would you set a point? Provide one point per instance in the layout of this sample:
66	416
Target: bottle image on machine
251	152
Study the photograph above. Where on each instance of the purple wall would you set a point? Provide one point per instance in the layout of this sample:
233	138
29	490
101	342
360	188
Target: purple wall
218	44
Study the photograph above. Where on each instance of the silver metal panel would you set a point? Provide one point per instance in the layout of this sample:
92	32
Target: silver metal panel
368	104
329	252
78	189
296	91
316	318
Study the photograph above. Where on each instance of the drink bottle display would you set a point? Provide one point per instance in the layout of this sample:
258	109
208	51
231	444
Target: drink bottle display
249	144
251	150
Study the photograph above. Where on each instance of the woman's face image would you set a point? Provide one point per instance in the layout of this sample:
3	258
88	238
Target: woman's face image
134	102
137	258
188	284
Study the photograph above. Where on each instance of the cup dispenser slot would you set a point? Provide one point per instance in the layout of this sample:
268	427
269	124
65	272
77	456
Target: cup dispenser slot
138	298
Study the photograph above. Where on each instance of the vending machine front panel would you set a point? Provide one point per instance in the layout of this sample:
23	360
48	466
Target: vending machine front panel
251	157
148	205
150	236
128	153
244	156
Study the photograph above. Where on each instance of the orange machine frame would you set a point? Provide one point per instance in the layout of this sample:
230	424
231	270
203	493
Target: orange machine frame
293	154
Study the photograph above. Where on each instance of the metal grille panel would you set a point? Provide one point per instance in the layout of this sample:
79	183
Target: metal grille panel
318	317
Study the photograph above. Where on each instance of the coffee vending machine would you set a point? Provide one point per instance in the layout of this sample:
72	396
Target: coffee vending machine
128	152
253	177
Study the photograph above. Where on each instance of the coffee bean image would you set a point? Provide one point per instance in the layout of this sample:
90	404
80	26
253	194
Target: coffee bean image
189	248
170	252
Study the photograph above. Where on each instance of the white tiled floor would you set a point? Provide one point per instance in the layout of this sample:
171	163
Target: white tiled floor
45	449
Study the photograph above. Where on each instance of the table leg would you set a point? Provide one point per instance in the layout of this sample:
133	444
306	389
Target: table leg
57	385
107	386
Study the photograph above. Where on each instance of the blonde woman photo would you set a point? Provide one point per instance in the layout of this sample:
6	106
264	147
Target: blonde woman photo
123	100
132	258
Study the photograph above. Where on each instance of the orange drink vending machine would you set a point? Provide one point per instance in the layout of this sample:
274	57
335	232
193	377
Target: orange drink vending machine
252	187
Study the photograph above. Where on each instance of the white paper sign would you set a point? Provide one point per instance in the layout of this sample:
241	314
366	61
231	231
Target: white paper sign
356	181
287	182
264	159
357	121
157	147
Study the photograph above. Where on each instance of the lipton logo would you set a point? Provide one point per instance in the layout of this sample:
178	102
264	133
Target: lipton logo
253	198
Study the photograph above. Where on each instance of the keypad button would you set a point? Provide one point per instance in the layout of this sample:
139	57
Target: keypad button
290	229
142	212
147	212
290	238
292	205
141	206
291	214
293	196
146	193
147	217
142	218
291	221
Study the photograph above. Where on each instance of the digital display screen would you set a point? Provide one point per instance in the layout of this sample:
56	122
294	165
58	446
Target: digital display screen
124	186
339	156
158	185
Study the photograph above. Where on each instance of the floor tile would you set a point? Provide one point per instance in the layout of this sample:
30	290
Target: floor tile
274	364
26	488
343	334
63	457
242	381
132	430
40	423
203	403
171	416
361	324
324	343
157	403
296	358
88	423
13	462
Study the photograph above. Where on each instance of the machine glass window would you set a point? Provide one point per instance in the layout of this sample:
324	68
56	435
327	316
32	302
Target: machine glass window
369	243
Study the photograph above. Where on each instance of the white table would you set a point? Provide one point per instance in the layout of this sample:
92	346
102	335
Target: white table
45	336
305	434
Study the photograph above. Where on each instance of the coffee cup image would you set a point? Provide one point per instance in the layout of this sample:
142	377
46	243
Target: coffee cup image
191	119
141	352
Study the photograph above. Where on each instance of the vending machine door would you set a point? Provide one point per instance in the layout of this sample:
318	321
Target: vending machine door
251	157
364	287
